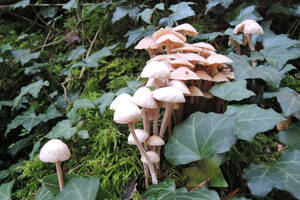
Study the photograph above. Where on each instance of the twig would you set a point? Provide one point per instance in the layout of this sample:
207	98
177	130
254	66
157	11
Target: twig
48	35
232	194
72	170
47	5
199	186
29	20
38	15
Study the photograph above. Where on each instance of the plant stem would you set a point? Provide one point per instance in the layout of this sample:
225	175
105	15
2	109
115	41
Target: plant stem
252	49
143	153
204	169
166	119
59	175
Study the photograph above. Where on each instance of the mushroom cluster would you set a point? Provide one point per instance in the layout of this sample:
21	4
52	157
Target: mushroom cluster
177	73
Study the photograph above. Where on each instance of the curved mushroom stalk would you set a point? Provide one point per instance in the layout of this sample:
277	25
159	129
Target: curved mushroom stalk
166	119
143	153
252	49
60	175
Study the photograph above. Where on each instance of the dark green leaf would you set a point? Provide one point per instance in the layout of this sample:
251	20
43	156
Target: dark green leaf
287	68
283	175
291	136
52	113
62	129
92	60
84	134
21	144
83	103
79	189
251	120
44	194
122	11
238	38
246	13
75	53
5	190
5	47
181	10
4	174
51	184
200	136
35	149
136	34
213	3
196	175
133	85
231	91
22	4
48	12
166	191
71	4
287	98
36	68
24	56
105	101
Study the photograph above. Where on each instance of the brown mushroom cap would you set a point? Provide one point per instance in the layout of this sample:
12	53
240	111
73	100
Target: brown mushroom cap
140	134
156	69
186	29
127	113
155	140
183	73
248	26
154	158
143	98
169	94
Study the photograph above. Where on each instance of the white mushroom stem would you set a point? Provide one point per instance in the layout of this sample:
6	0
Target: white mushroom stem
166	119
252	49
155	122
146	175
146	122
143	153
59	175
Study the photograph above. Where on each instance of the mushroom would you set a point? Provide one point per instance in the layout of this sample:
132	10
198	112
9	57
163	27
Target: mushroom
142	135
129	113
119	100
186	29
55	151
249	27
153	157
148	43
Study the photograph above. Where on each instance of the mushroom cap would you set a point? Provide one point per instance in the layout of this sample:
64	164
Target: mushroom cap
143	98
218	59
203	75
156	69
127	113
207	95
164	31
157	83
220	77
248	26
53	151
204	45
186	29
193	58
146	43
181	62
153	157
140	134
155	140
194	91
120	100
162	40
180	85
183	73
169	94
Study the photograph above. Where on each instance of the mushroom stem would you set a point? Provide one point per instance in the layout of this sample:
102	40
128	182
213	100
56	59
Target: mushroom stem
166	119
59	175
143	153
155	122
146	175
145	121
168	47
252	49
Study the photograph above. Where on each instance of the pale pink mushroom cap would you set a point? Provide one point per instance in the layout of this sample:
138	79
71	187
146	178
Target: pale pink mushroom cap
140	134
204	45
194	91
120	100
203	75
218	59
143	98
183	73
248	26
186	29
155	140
157	83
180	85
168	30
169	94
127	113
53	151
146	43
154	158
156	69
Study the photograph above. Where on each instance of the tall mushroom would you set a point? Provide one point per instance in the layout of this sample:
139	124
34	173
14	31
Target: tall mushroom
55	151
129	113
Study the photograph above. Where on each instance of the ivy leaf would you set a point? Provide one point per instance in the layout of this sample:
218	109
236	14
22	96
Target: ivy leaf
35	149
62	129
5	47
287	68
283	175
22	4
243	70
5	190
75	53
246	13
33	89
44	194
136	34
147	13
92	60
133	85
36	68
48	12
200	136
251	120
79	189
71	4
196	175
84	134
122	11
232	91
213	3
27	119
167	190
52	112
83	103
21	144
51	184
24	56
105	101
288	99
238	38
291	136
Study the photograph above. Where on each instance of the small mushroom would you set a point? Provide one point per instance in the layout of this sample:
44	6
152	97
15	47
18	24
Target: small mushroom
186	29
153	157
55	151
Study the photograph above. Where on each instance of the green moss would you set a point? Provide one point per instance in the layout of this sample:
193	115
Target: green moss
292	82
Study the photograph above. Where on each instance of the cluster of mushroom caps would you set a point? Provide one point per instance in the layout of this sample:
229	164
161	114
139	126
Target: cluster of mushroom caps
181	69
